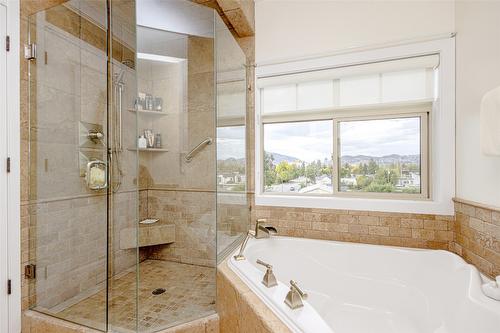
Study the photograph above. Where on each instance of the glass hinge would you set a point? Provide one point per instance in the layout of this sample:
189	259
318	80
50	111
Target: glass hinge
30	271
30	51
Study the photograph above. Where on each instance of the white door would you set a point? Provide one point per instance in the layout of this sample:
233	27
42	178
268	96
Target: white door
4	274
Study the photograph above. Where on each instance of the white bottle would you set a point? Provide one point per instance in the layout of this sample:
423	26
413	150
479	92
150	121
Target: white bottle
492	288
142	143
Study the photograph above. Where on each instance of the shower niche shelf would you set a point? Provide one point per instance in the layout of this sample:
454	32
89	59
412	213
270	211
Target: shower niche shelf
149	112
153	150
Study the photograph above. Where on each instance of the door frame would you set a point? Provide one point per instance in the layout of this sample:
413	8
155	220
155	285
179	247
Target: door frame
10	195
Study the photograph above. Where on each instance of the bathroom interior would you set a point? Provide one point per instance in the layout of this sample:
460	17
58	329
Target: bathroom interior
242	166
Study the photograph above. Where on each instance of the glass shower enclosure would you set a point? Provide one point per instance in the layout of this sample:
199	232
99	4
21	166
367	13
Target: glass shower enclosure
137	181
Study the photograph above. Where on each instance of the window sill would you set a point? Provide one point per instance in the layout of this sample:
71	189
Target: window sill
438	207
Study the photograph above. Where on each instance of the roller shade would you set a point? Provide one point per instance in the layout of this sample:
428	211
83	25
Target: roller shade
403	80
406	64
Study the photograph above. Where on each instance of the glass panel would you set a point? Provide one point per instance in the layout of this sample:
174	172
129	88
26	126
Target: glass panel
176	71
232	198
358	90
123	197
279	98
314	95
380	155
68	222
297	157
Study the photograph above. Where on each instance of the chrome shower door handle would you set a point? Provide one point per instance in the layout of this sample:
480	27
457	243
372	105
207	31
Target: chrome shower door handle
96	176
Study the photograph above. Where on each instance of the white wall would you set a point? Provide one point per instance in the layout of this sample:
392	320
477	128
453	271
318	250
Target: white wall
288	30
299	28
478	71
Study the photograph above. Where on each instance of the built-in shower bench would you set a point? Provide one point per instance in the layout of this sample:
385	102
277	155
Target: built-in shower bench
147	235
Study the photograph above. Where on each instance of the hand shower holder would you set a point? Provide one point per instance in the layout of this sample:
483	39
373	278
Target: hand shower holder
96	164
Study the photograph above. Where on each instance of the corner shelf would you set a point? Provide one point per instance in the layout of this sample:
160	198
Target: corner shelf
149	112
153	150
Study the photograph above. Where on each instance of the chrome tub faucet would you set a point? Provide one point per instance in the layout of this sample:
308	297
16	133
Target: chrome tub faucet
269	280
262	230
295	296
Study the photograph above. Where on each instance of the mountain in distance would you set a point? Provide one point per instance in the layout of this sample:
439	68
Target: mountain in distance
387	159
278	158
233	160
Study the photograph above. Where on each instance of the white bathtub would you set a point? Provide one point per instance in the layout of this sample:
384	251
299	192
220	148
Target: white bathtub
359	288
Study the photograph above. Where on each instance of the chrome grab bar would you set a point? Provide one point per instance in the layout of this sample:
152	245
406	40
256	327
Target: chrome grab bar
195	150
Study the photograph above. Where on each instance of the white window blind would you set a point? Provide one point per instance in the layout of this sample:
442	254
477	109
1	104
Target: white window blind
401	80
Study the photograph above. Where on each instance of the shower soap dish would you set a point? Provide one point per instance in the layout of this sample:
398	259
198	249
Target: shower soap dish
149	221
492	289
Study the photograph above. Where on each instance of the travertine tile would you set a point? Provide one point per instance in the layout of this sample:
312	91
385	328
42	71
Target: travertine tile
477	236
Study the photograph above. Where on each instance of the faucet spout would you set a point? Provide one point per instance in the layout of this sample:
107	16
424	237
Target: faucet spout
264	230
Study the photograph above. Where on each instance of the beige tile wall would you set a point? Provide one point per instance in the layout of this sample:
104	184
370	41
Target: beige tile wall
397	229
193	213
34	322
477	235
240	309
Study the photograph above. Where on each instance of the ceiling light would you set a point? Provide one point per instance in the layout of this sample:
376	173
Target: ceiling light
156	57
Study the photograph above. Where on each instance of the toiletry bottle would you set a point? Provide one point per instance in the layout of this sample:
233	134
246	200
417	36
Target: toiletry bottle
142	142
158	141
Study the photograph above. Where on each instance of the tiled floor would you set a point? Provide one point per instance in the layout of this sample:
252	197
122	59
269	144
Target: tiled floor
190	294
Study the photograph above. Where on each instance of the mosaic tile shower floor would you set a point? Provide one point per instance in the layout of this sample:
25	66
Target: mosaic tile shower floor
189	294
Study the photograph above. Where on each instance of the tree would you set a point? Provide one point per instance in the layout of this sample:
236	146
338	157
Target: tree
362	182
345	171
372	167
285	172
269	170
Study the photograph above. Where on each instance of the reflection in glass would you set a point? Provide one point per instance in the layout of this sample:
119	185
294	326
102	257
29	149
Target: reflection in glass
231	161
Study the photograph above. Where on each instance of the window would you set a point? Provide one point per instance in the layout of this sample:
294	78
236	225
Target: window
352	131
381	155
298	157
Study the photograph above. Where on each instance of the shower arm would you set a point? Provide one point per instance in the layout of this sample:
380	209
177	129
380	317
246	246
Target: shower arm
195	150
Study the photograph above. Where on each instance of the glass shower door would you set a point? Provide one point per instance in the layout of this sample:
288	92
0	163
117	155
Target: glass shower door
82	179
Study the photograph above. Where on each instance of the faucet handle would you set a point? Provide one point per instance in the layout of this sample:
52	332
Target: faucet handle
259	221
268	266
269	280
295	296
295	286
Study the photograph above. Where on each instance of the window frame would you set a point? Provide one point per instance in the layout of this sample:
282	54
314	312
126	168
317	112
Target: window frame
441	129
420	109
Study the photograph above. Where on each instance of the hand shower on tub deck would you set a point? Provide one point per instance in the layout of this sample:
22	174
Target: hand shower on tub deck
262	230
